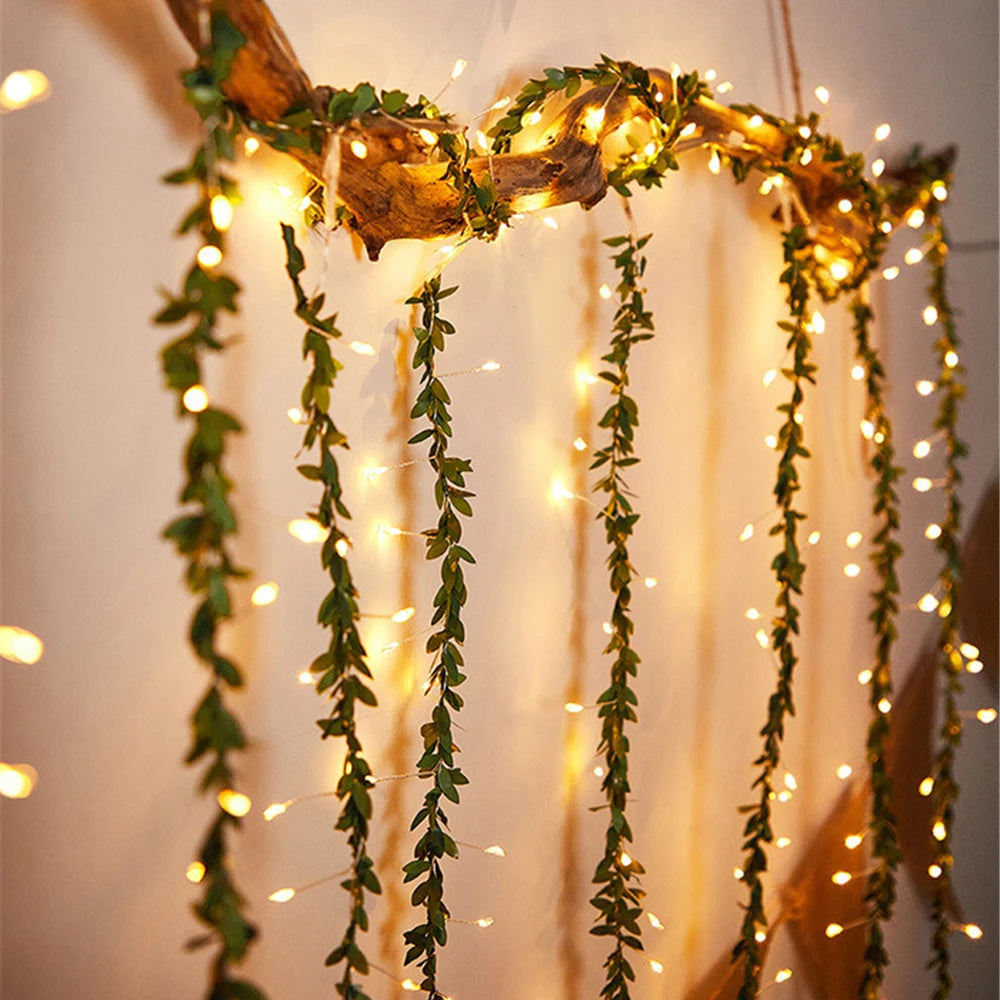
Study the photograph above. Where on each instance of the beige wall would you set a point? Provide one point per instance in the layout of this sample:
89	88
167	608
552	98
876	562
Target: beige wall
94	899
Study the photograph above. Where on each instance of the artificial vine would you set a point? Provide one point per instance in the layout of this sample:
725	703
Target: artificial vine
201	533
880	890
619	899
950	391
788	570
437	763
342	672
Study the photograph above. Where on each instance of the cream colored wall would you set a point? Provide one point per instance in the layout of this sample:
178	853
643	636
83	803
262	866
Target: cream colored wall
94	899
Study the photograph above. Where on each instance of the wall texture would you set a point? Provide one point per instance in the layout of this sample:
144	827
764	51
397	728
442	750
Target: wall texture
94	899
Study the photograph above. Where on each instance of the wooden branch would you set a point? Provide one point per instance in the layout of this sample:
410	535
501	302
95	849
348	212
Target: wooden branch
394	192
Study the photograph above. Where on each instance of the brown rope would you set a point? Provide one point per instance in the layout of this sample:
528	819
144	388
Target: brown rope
793	62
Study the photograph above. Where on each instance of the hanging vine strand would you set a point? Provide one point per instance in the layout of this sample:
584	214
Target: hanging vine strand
788	570
619	899
950	392
437	763
201	534
880	892
342	672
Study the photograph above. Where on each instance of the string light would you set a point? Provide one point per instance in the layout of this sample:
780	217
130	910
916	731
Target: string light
459	68
265	594
987	715
844	771
305	677
760	936
17	781
573	708
926	786
885	706
939	190
762	640
235	803
195	872
890	273
805	131
625	859
974	666
932	531
783	842
650	582
531	118
560	492
790	782
195	399
410	986
845	205
951	359
277	809
916	218
715	163
221	209
865	677
878	167
814	537
724	88
341	547
839	270
362	348
403	615
928	603
822	94
579	444
752	614
885	226
593	118
769	376
550	222
747	533
935	871
688	130
209	256
858	373
607	628
282	895
925	387
654	921
969	651
484	922
283	191
251	145
657	967
882	132
973	931
867	429
922	484
853	841
738	874
853	540
295	415
19	645
783	975
834	930
922	449
359	149
913	256
23	87
939	831
307	530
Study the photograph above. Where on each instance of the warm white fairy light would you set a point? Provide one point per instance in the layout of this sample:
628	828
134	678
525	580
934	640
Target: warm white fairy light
738	874
295	415
882	132
531	118
913	256
922	449
845	205
951	359
266	593
939	831
341	547
362	348
573	708
890	273
305	677
195	399
654	921
235	803
23	87
724	88
307	530
359	149
195	872
251	145
495	850
782	975
814	537
858	373
769	376
604	291
805	157
19	645
885	706
878	167
650	582
755	121
925	387
593	118
867	429
762	640
822	94
625	859
459	68
885	226
935	871
579	444
974	666
834	930
969	651
559	492
783	842
283	191
221	209
550	222
209	256
844	771
839	270
282	895
403	615
598	771
607	628
657	967
916	218
276	809
928	603
973	931
939	190
747	533
932	531
715	163
987	715
17	781
865	677
853	841
805	131
853	540
688	130
410	986
790	782
926	786
752	614
922	484
760	936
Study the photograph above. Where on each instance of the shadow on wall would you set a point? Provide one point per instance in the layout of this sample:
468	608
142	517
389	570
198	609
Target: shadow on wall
142	31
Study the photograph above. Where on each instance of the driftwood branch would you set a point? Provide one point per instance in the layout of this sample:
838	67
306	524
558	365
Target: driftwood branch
394	192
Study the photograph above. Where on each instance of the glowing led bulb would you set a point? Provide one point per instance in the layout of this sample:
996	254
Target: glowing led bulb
853	540
579	444
341	546
782	975
939	830
427	136
195	399
688	130
973	931
832	930
496	850
604	291
235	803
882	132
783	842
755	121
867	429
839	270
626	860
891	273
276	808
844	771
490	366
195	872
573	707
913	256
747	533
951	359
484	922
403	615
818	323
251	145
22	87
362	348
987	715
550	222
853	841
458	69
410	986
657	967
974	666
654	921
725	87
715	163
969	651
481	140
922	449
885	226
940	190
500	105
805	157
858	373
865	677
926	786
307	530
738	874
593	118
769	376
925	387
560	492
805	131
606	628
932	531
790	782
209	256
845	205
650	582
374	471
935	871
281	895
531	118
295	415
283	191
760	936
752	614
928	603
761	636
221	209
585	377
17	781
814	537
265	594
822	94
878	167
359	149
922	484
305	677
885	706
19	645
916	218
599	771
